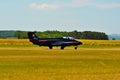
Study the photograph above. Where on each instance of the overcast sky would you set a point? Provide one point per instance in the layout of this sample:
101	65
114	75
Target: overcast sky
62	15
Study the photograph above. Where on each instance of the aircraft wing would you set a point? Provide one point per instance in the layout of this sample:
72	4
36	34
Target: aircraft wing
59	43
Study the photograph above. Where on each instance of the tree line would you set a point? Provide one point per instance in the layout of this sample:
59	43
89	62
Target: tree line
76	34
53	34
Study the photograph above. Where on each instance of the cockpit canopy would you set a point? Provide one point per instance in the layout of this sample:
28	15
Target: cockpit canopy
70	38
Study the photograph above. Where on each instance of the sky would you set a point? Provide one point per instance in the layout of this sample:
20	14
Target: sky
61	15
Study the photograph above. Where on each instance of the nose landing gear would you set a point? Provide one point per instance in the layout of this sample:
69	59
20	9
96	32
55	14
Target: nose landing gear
76	47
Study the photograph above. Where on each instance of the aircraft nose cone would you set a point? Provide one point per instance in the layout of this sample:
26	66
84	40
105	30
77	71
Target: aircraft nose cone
79	43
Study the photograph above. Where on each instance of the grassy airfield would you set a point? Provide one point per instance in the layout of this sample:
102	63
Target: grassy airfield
94	60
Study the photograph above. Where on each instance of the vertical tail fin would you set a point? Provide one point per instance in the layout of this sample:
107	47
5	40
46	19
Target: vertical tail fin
32	36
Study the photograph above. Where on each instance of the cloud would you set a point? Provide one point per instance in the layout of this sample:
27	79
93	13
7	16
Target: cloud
84	3
111	5
74	3
43	6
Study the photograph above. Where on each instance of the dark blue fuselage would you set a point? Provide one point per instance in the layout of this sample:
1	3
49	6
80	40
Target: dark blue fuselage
50	42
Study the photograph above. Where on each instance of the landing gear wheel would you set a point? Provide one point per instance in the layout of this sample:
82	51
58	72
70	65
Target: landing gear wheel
76	48
50	47
62	47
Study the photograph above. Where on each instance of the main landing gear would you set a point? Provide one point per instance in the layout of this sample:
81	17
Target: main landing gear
76	47
62	47
50	47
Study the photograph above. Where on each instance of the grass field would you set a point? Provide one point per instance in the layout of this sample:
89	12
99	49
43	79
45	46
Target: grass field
20	60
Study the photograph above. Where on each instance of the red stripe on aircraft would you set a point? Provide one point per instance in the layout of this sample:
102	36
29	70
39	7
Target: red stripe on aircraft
42	40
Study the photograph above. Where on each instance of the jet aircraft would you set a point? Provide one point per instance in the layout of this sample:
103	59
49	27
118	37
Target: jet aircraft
50	42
